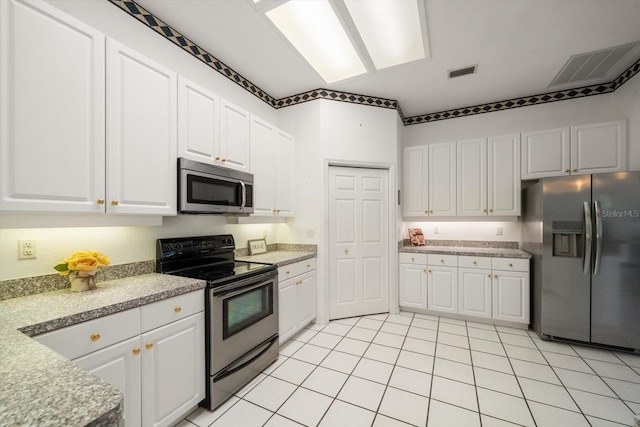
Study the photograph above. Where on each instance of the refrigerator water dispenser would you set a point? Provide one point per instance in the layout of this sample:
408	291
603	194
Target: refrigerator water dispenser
567	238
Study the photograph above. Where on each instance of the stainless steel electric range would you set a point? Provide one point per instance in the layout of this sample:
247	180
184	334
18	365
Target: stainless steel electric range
241	309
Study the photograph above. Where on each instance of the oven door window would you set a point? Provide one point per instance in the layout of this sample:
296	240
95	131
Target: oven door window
243	310
213	191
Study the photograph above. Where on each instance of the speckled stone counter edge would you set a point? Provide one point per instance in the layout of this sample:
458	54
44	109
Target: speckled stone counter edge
464	243
15	288
288	247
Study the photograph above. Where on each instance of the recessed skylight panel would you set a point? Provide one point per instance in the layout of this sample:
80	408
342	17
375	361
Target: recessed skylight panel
313	28
390	30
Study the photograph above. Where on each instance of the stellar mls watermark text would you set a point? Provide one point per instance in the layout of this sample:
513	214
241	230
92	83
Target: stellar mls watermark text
620	214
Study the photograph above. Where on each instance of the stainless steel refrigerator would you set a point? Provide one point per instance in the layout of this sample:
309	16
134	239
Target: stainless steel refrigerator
584	235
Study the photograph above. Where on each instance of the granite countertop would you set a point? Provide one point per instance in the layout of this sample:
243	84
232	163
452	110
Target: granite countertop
41	387
467	251
280	258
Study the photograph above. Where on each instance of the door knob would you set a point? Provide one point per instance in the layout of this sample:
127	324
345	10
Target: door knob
346	251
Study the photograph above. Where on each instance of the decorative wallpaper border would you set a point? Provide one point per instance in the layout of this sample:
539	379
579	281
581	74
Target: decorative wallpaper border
174	36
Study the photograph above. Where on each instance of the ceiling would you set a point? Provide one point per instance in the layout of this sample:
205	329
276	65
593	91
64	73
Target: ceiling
519	46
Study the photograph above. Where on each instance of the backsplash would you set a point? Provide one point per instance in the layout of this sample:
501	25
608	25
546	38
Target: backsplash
15	288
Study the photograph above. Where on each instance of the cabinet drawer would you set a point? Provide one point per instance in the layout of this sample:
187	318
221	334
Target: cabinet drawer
171	309
296	269
413	258
446	260
510	264
474	262
87	337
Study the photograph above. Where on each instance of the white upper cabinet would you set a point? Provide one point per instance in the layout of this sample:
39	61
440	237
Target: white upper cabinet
472	177
272	164
198	125
52	111
575	150
234	137
415	200
141	134
599	148
442	179
503	182
210	129
546	153
285	173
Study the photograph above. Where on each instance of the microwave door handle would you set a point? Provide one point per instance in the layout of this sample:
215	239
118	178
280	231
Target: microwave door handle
244	194
588	240
598	256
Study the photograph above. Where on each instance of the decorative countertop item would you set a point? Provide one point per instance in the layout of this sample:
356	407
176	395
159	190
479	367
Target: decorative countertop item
81	267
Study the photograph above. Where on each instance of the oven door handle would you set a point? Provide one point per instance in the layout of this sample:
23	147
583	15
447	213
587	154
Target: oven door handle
243	362
242	286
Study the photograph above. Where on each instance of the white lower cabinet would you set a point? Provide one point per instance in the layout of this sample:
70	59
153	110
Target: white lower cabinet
296	297
153	354
472	286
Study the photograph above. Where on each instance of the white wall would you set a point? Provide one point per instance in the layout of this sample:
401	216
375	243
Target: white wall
329	132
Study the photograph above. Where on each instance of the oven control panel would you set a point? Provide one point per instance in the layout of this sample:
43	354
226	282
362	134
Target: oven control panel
193	247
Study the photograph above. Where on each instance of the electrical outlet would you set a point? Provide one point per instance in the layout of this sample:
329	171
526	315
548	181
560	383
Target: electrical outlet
26	249
498	231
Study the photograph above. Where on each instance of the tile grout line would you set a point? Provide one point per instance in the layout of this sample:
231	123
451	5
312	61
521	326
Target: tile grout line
433	372
473	372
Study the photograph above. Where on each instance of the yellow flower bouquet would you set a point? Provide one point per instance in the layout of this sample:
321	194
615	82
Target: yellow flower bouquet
81	267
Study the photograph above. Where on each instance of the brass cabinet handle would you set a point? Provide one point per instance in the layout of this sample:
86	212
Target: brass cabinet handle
287	272
430	211
490	210
442	261
224	160
510	265
136	351
495	275
346	251
413	259
100	201
484	210
567	170
575	169
488	275
475	263
429	271
217	157
149	346
177	309
273	210
114	202
308	265
426	212
277	210
95	337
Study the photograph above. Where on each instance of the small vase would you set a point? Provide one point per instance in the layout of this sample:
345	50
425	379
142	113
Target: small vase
82	280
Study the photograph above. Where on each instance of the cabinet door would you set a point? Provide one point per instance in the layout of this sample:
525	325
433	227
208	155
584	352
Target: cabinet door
442	289
52	123
474	292
442	179
141	134
472	177
415	199
119	365
234	137
287	309
598	148
173	370
510	296
545	153
504	175
306	298
198	128
285	174
263	150
413	286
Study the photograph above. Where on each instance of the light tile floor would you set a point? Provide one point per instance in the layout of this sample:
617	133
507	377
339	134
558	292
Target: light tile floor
399	370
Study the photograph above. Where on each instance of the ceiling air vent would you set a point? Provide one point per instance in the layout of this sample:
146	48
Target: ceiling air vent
471	69
592	65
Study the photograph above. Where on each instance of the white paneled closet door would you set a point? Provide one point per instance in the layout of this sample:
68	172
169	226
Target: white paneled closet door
359	249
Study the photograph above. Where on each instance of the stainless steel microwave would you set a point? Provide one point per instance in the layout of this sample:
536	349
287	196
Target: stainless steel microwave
209	189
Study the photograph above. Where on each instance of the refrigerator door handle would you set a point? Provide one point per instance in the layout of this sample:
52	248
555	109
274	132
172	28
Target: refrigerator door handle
598	214
588	233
